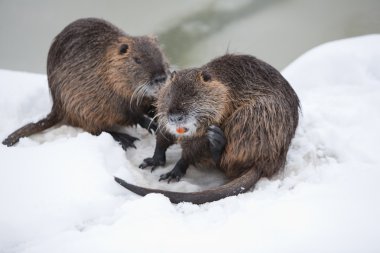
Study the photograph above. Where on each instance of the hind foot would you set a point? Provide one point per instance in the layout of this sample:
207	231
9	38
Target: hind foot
125	140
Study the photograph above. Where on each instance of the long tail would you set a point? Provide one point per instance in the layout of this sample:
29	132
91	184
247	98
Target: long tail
50	120
234	187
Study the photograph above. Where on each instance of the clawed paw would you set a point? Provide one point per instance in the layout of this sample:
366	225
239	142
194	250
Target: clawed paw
152	127
149	124
151	162
126	141
172	175
217	141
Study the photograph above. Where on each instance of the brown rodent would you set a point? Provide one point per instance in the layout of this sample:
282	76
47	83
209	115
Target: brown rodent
236	113
99	78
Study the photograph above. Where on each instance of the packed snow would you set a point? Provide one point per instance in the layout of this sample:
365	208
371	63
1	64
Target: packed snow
57	191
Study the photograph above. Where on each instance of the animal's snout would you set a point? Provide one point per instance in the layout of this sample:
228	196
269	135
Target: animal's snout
176	118
158	79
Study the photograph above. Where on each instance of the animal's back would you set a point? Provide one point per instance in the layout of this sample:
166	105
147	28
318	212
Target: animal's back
248	77
77	75
83	41
264	115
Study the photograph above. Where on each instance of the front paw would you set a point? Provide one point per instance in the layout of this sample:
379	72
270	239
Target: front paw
217	141
152	127
152	162
177	172
148	123
172	175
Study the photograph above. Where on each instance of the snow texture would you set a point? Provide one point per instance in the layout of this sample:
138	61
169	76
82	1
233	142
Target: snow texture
57	191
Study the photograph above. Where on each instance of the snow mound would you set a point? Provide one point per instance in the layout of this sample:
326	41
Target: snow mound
57	192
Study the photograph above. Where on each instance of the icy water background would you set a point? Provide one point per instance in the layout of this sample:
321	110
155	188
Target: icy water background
191	32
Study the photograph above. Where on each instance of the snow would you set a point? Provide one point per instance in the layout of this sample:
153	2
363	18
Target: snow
57	192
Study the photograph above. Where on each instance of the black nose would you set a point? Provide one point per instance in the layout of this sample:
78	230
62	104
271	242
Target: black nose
176	118
159	79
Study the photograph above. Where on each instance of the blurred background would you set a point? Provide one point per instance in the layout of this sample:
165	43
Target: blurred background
191	32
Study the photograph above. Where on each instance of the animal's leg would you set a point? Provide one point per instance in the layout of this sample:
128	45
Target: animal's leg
163	142
177	172
126	141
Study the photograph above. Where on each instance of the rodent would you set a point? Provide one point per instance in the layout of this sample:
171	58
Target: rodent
236	113
100	78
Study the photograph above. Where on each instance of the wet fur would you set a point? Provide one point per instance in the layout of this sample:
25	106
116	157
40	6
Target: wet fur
94	84
254	106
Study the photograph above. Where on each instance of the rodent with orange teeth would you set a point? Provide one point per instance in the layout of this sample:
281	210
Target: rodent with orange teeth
236	113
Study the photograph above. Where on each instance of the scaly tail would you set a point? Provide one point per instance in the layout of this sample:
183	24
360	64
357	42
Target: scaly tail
50	120
234	187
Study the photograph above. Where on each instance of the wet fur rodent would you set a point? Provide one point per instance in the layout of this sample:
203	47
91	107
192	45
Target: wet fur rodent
254	106
97	77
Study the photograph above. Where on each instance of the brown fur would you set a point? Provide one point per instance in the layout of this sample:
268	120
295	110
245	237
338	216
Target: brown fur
254	106
94	84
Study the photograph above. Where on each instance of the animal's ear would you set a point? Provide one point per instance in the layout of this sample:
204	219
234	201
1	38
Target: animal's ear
173	75
123	48
205	76
153	37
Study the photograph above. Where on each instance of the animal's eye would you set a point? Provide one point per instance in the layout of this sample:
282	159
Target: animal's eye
206	77
137	60
123	48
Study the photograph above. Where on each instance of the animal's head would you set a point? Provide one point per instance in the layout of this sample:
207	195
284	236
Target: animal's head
142	63
191	101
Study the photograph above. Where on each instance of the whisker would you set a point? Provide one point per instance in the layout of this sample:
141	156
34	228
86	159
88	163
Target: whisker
135	92
138	94
152	120
141	93
161	128
145	90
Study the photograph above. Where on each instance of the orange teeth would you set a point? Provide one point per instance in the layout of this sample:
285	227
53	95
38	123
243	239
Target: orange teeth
181	130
